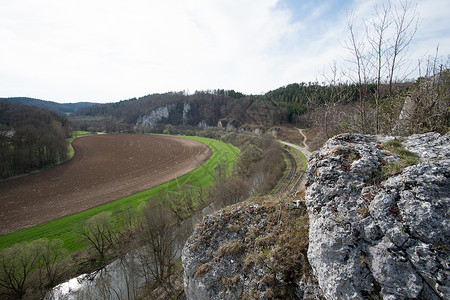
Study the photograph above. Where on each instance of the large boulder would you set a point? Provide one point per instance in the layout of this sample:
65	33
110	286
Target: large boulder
375	232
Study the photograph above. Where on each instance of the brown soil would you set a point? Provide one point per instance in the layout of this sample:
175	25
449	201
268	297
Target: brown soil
104	168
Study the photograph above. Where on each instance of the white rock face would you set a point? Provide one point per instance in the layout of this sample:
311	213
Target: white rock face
155	116
186	109
370	237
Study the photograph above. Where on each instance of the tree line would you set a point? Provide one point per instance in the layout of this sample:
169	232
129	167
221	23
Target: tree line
30	138
62	108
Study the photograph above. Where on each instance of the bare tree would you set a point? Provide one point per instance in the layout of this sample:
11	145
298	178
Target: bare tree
230	191
99	233
358	74
406	21
16	263
376	35
158	255
52	261
389	34
329	115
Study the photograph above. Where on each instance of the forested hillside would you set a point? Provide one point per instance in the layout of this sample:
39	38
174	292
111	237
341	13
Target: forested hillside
285	105
30	138
63	108
334	107
203	108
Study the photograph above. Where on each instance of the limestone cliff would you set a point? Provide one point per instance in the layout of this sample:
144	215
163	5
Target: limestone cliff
379	227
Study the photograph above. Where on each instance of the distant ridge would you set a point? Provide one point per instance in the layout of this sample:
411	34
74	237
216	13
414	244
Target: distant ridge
63	108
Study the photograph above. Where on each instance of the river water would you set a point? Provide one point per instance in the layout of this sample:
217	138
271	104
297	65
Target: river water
122	279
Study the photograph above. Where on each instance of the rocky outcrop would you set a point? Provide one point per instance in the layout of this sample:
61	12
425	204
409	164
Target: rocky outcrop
177	113
378	228
155	116
251	250
228	124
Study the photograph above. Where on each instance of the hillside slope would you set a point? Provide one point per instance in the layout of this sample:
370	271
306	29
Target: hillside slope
199	109
30	138
252	250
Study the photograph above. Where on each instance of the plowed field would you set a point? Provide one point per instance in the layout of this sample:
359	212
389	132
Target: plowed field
104	168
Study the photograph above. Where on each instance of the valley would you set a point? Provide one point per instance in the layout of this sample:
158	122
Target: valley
105	168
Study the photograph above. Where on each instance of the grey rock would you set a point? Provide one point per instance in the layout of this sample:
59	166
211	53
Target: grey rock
429	145
388	238
392	270
155	116
233	254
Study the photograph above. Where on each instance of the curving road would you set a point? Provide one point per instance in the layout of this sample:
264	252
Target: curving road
303	150
307	154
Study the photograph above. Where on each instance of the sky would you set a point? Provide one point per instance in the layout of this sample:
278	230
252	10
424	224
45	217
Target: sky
112	50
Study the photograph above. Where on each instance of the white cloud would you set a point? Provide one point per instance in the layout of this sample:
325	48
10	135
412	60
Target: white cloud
108	50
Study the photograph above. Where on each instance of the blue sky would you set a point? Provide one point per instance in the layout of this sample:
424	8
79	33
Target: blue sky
110	50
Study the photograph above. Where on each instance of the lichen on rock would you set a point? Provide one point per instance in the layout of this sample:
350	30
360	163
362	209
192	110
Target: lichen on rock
251	250
371	235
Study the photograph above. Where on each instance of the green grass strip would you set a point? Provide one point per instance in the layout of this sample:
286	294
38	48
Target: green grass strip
64	228
80	132
303	158
75	135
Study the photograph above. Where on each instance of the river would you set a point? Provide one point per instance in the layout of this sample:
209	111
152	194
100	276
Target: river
124	278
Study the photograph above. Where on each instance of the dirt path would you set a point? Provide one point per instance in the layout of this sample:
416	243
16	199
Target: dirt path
304	138
104	168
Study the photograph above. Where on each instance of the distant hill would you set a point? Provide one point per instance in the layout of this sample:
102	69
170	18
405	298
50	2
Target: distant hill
63	108
204	108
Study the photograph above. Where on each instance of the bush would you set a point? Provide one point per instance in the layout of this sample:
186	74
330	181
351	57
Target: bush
32	267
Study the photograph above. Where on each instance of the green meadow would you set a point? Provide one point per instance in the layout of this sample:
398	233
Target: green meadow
65	228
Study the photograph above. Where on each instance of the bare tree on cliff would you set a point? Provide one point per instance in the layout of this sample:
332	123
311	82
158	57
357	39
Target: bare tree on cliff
389	34
359	64
99	233
328	115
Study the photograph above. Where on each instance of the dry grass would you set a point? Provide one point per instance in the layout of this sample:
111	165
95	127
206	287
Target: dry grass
266	238
203	269
233	247
364	211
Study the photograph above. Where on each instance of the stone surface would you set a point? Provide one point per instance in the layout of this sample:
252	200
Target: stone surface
251	250
371	237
